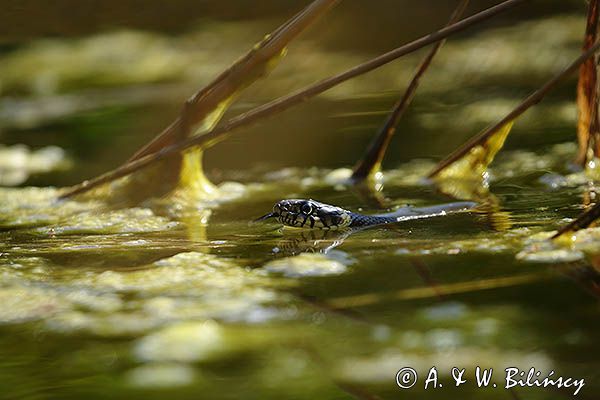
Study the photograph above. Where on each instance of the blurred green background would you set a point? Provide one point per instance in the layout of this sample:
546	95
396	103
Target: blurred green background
100	78
145	303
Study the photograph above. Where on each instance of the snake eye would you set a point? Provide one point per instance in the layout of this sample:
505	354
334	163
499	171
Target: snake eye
306	208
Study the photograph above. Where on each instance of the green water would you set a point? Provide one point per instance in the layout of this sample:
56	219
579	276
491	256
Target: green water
162	301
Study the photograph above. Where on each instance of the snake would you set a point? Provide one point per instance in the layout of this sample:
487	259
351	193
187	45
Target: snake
309	213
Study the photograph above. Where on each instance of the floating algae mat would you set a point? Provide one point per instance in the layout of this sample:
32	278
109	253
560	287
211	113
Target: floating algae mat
162	300
136	303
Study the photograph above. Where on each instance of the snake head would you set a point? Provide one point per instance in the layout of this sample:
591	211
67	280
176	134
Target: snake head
310	214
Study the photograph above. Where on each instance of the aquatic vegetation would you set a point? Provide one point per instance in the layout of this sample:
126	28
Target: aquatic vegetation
305	265
175	294
18	162
124	302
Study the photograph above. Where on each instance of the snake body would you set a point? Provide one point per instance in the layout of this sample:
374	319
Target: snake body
308	213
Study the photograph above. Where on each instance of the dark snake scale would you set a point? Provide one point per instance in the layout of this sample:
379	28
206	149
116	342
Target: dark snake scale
302	213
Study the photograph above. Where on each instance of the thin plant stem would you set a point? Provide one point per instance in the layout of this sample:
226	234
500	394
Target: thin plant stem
530	101
283	103
584	220
370	163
